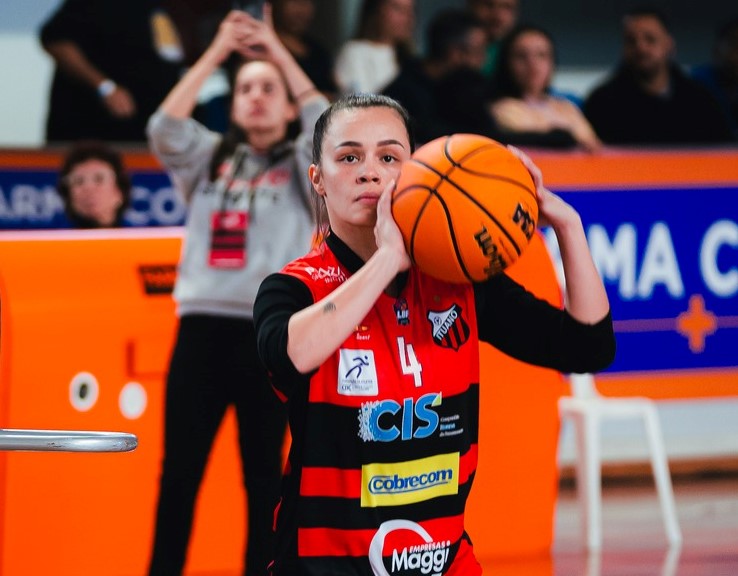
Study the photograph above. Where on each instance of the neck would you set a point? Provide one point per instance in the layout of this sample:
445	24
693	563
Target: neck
535	97
262	141
359	238
656	84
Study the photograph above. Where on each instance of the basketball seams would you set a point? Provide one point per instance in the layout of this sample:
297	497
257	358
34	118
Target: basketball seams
446	178
452	234
432	193
478	150
472	206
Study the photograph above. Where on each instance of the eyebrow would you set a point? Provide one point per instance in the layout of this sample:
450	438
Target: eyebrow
352	143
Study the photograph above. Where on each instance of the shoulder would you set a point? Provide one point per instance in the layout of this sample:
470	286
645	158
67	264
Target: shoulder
508	103
319	270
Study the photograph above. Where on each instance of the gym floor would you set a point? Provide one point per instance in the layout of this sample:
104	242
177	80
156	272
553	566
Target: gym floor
634	541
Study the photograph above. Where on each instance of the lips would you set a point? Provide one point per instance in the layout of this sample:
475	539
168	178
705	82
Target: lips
369	197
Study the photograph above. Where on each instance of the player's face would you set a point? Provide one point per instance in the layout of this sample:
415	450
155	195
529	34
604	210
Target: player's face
260	99
362	151
532	62
94	192
647	45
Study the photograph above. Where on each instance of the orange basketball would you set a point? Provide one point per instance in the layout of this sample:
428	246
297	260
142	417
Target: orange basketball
466	207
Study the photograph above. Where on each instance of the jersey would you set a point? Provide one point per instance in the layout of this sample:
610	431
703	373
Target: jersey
384	445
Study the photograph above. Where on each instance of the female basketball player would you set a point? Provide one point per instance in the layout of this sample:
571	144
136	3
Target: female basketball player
379	363
249	214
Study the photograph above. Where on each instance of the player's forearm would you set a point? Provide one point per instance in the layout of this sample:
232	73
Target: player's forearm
586	296
317	331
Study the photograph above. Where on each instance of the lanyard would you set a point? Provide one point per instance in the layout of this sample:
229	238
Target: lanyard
239	159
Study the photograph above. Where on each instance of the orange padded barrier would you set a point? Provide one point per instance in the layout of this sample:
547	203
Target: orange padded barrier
96	303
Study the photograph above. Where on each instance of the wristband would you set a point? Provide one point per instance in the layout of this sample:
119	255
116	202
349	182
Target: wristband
106	88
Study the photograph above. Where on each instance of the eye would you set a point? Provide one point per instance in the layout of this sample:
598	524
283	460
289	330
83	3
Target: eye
350	158
389	158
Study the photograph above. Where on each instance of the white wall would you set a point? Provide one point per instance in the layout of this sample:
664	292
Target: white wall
25	76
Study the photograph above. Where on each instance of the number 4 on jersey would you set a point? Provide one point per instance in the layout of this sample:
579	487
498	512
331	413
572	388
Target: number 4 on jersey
409	361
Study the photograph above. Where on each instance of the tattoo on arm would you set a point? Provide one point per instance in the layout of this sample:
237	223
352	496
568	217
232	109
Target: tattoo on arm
329	307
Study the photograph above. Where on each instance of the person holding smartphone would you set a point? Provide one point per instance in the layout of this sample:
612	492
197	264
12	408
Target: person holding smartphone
249	213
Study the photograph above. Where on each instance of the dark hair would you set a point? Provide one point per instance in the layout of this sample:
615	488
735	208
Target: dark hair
726	30
93	150
234	134
504	84
650	12
351	102
370	21
449	29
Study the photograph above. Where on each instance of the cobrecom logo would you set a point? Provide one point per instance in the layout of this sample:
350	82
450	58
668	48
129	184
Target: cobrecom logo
429	557
400	483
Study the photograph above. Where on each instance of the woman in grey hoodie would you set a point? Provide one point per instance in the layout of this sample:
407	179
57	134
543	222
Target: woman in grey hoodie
249	213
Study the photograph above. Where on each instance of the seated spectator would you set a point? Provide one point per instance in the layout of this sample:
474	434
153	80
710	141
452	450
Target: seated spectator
292	20
524	101
115	61
649	99
456	43
94	186
721	76
498	17
370	61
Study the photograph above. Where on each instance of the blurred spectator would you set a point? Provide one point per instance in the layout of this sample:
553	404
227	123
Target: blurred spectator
370	61
115	61
498	17
292	21
455	45
721	76
94	186
197	22
649	99
249	214
524	101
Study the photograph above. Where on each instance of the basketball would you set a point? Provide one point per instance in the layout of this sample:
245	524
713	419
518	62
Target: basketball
466	207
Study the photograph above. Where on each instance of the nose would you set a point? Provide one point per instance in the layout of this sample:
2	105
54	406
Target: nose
369	173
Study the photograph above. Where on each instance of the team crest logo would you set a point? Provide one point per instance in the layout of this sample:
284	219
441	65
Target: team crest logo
402	312
449	329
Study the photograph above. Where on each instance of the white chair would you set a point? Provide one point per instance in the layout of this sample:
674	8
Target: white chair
586	409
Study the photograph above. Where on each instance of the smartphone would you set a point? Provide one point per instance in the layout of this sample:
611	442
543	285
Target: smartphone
254	8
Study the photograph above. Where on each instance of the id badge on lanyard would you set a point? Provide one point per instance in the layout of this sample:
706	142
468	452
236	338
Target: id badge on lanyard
229	228
228	239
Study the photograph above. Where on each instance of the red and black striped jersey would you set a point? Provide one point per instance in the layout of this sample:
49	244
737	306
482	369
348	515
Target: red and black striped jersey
384	434
387	432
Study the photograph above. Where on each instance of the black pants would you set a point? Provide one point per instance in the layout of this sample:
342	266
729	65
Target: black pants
215	364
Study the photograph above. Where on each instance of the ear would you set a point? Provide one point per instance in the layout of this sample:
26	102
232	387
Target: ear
316	179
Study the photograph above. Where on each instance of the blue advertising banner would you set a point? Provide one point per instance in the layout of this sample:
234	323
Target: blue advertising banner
669	259
28	200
